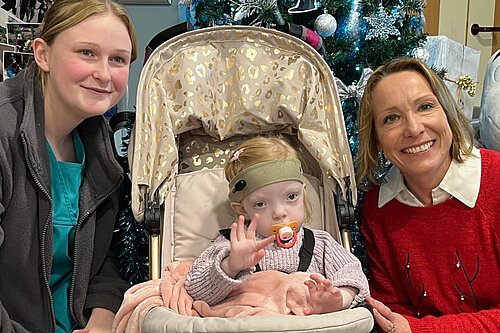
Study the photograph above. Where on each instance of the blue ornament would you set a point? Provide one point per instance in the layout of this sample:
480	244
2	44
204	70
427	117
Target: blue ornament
325	25
351	26
417	22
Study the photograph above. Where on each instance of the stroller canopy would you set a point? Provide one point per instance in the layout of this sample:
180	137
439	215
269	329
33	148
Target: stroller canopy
235	80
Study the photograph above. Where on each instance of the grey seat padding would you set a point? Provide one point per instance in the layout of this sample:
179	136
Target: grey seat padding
164	320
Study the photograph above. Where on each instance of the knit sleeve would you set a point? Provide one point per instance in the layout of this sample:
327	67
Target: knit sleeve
206	281
341	267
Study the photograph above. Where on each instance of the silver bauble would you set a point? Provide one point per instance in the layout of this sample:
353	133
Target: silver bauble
325	25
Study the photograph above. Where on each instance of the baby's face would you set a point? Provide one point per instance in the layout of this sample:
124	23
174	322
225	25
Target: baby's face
278	203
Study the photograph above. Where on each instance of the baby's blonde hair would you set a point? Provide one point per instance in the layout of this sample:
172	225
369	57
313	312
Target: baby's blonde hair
262	149
258	150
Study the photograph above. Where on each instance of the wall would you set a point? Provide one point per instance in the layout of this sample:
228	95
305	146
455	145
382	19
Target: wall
148	21
453	18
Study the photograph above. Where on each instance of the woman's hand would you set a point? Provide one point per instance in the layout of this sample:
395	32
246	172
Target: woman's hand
246	251
387	320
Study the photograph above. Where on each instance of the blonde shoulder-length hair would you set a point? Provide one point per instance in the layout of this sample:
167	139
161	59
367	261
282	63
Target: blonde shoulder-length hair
367	157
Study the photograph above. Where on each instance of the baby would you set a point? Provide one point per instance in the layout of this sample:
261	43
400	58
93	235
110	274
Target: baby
267	190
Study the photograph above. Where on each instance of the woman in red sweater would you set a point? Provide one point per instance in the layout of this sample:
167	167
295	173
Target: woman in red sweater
431	224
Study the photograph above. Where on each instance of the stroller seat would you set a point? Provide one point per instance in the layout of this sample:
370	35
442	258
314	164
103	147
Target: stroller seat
200	95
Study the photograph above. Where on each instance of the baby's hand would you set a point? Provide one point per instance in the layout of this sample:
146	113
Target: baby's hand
323	296
246	251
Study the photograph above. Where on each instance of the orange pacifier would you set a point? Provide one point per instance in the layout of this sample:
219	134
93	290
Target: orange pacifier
286	234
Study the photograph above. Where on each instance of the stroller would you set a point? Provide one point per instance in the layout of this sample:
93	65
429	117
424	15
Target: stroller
200	95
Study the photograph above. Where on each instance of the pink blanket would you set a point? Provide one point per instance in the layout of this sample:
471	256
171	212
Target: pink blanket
265	293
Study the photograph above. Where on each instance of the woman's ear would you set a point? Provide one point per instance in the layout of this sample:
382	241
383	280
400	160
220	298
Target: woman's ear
41	54
238	208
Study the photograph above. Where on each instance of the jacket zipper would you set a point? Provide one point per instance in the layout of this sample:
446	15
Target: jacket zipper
80	221
44	233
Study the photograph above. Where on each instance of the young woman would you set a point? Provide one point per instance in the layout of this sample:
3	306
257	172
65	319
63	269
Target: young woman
58	175
267	187
432	225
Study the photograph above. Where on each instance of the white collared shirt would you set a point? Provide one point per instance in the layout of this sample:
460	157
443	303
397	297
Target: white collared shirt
462	181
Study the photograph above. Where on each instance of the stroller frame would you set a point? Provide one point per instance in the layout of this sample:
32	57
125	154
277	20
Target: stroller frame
149	193
214	88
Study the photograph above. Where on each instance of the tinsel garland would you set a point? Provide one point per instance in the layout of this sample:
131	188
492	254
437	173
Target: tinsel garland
133	256
133	241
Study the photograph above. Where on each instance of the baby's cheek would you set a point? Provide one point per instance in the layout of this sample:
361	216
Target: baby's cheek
264	229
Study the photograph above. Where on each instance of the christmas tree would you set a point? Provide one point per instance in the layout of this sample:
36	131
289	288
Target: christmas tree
354	37
129	234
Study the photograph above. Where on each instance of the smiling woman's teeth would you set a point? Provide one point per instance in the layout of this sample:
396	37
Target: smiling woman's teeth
418	149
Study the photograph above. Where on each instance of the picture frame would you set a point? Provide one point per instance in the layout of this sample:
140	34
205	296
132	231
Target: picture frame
24	11
14	62
4	48
21	35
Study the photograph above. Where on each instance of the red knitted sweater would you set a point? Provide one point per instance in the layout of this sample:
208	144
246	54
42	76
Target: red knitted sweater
439	266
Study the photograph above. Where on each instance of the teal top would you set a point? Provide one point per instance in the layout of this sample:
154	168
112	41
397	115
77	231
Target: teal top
66	178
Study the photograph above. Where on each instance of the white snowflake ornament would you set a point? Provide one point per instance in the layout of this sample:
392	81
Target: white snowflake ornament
382	24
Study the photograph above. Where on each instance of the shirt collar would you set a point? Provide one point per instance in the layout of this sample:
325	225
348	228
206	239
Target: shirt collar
462	181
392	184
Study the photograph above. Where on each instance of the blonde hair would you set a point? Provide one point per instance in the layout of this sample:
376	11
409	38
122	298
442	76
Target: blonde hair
367	157
258	150
65	14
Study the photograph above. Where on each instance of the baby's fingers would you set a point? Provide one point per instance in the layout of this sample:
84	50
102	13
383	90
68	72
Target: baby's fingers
308	311
327	284
233	236
253	226
318	278
265	242
311	285
240	229
257	256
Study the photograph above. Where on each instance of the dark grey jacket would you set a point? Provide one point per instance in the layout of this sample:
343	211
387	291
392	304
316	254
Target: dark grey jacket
25	215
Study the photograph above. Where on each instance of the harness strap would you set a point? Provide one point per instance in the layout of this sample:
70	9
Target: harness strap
306	250
305	253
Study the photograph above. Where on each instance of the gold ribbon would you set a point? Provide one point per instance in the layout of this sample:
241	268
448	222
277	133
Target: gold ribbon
464	83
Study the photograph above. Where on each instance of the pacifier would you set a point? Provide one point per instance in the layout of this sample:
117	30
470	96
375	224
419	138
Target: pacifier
286	234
